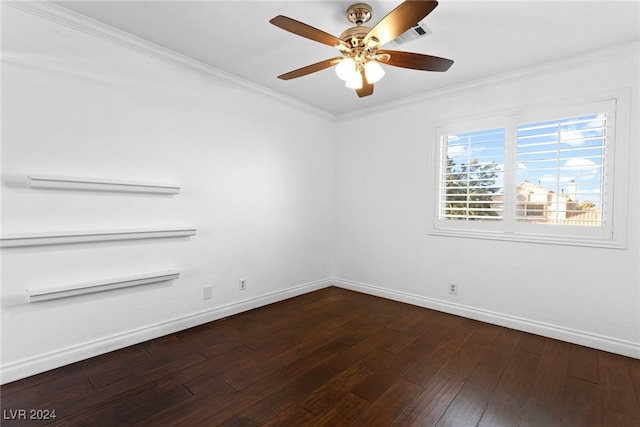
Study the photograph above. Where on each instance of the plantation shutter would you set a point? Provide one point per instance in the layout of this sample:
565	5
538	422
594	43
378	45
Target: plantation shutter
560	171
472	175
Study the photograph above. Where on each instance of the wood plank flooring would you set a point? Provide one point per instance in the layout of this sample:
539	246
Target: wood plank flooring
337	358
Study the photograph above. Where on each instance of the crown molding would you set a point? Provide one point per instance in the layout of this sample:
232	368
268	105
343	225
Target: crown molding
58	14
79	22
626	50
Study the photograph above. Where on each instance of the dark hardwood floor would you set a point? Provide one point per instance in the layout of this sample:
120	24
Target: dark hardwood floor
337	358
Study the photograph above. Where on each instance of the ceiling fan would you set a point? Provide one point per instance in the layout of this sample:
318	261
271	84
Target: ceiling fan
360	45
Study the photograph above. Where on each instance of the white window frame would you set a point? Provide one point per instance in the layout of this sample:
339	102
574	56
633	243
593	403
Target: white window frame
611	234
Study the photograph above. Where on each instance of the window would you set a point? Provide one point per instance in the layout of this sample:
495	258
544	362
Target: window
542	175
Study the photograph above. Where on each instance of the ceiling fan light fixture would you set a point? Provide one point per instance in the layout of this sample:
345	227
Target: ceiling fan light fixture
359	45
346	69
355	81
373	71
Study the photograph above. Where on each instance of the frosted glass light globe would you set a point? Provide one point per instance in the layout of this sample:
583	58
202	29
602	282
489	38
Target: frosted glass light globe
346	69
355	82
373	71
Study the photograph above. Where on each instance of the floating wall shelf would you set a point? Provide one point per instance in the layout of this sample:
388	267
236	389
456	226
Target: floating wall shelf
45	294
90	237
94	184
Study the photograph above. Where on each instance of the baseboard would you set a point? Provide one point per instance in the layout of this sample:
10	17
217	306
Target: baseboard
55	359
587	339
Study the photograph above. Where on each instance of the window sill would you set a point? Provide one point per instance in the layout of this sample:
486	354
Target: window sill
532	238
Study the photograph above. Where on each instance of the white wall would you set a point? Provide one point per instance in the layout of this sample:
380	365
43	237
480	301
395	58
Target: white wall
585	295
256	176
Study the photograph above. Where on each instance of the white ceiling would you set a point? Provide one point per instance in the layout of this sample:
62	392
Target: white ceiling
484	38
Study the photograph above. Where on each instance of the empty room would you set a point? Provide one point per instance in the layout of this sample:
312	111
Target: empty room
320	213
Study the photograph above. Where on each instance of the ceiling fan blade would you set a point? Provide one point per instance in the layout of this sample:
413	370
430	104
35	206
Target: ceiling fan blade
399	20
415	61
311	68
366	89
307	31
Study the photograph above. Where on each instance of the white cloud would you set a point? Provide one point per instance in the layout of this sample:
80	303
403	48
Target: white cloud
575	135
584	169
580	163
456	151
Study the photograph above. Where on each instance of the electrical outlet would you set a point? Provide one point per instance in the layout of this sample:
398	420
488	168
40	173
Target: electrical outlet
243	284
207	292
453	288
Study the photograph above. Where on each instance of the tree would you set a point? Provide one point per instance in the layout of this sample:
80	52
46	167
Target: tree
470	189
586	205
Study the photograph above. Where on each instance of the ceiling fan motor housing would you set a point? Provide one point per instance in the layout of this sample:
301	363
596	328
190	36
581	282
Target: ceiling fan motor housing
354	36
